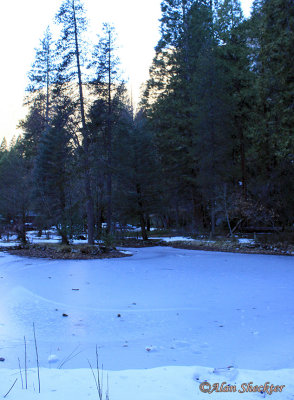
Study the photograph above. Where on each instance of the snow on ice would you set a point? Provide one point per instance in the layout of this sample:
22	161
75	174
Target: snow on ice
185	317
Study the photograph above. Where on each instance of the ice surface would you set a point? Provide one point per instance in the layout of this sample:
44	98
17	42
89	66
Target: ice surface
196	308
161	307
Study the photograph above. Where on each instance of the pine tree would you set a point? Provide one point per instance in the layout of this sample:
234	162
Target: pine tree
185	54
15	198
39	93
33	126
42	73
272	133
233	34
3	146
137	188
277	76
52	170
107	86
70	46
197	101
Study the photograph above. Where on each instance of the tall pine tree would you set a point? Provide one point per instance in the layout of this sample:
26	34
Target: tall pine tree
71	17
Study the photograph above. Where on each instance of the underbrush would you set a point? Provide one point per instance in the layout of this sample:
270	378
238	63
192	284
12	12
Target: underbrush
282	240
65	252
233	245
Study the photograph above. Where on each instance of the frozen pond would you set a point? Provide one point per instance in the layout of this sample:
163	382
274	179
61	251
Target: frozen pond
162	306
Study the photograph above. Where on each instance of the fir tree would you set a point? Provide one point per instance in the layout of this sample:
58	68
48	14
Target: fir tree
42	73
272	132
70	46
15	198
52	170
137	188
3	146
107	86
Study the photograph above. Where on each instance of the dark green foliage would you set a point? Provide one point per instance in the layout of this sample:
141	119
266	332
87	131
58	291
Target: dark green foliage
137	190
71	50
43	69
34	125
15	194
211	148
71	18
3	147
272	132
53	171
106	115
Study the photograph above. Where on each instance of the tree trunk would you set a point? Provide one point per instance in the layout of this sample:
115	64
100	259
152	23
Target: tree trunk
99	222
87	177
143	229
109	145
64	239
243	161
212	220
109	202
148	223
89	208
226	210
141	213
63	230
22	229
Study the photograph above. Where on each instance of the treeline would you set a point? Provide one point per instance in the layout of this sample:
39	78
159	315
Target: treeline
211	148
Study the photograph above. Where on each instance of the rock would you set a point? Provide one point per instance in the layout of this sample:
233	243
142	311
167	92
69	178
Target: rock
151	348
52	359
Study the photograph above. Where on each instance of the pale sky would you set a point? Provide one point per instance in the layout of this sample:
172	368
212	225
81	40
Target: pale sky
22	24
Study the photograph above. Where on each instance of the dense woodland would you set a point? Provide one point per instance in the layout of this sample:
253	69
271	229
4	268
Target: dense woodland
208	150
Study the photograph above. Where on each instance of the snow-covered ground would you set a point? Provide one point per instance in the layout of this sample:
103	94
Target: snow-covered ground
163	320
163	383
173	239
32	237
7	244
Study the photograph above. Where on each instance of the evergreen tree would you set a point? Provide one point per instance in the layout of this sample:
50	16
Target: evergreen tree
191	109
15	198
42	73
232	33
137	189
70	46
53	170
272	133
98	126
107	86
33	125
39	93
3	146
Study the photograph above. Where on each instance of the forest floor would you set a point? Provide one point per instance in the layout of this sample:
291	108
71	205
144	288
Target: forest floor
235	247
64	252
222	244
80	250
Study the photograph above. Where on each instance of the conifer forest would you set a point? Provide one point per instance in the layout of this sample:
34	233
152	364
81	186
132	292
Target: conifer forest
209	149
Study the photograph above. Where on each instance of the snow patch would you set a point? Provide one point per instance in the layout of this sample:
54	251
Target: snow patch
53	359
164	383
